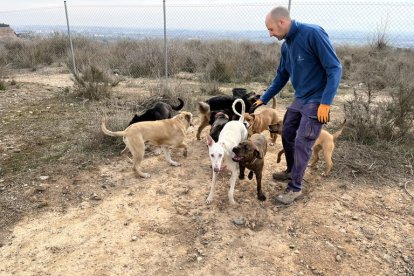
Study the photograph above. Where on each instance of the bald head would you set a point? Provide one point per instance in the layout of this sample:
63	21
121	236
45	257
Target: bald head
278	22
279	12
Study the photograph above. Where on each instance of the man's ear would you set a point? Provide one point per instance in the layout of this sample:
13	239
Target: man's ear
258	153
210	141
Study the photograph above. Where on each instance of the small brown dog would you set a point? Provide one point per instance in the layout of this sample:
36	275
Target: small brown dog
325	142
164	133
250	154
261	121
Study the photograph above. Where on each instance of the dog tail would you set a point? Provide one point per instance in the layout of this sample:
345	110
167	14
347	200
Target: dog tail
178	107
336	134
279	155
203	107
274	102
111	133
241	119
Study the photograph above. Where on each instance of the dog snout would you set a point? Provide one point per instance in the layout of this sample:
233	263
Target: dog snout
216	169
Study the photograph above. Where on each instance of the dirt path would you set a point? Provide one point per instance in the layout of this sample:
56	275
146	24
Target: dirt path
162	225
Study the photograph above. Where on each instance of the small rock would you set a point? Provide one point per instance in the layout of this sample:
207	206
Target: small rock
354	218
199	259
239	221
41	188
406	259
96	197
134	238
388	258
296	252
338	258
42	204
291	246
43	177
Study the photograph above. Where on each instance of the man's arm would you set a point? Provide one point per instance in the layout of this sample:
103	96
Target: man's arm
282	77
330	63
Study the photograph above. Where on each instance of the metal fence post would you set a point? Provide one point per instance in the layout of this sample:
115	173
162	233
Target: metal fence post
290	2
165	44
70	40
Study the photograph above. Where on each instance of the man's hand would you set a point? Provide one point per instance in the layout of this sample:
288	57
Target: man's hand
323	113
255	105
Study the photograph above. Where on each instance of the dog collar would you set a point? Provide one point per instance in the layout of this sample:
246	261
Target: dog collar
221	113
251	163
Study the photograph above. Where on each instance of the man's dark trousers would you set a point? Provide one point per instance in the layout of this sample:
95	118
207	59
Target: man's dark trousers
300	130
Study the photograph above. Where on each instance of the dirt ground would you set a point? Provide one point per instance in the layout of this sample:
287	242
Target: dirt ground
100	219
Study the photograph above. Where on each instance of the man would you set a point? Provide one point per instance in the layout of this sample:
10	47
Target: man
309	60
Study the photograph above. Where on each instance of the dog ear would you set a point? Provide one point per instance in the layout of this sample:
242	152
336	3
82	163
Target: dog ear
210	141
258	153
187	116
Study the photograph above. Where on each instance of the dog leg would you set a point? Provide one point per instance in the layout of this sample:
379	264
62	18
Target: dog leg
260	194
327	155
185	147
233	179
168	157
241	169
203	124
212	189
273	137
137	161
315	156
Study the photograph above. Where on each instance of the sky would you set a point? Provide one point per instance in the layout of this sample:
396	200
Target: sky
354	15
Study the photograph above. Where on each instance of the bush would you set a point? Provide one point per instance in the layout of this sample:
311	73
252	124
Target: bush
93	83
220	71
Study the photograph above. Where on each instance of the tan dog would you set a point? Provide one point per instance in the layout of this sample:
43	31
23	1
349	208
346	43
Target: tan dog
164	133
261	121
326	143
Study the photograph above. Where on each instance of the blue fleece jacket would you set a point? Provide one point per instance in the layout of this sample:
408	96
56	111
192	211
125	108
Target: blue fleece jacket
310	61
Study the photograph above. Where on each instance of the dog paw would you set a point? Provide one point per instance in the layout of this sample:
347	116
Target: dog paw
261	197
325	174
250	176
233	202
209	200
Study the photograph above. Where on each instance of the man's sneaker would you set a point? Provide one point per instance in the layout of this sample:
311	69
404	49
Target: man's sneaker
282	176
288	196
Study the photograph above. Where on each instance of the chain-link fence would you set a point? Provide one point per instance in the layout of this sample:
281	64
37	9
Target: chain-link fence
345	21
140	28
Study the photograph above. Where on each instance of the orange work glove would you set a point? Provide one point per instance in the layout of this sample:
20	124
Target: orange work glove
323	113
255	105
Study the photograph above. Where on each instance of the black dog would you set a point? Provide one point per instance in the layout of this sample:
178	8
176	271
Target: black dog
223	104
159	111
220	119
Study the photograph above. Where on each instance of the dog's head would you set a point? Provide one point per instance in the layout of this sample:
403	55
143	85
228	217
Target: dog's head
250	99
216	153
276	128
220	120
249	118
247	151
186	117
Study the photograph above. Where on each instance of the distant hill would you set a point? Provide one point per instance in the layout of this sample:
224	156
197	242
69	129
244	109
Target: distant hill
6	32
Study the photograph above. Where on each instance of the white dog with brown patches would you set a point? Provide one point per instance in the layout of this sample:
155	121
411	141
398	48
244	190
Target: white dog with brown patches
221	153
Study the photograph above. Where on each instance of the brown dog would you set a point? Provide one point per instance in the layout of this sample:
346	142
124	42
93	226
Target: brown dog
164	133
261	121
325	142
250	154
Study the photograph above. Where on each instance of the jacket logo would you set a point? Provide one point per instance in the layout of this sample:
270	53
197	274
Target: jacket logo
300	58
